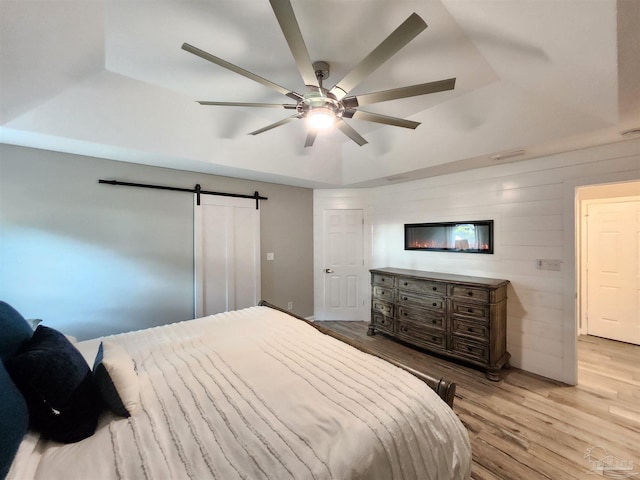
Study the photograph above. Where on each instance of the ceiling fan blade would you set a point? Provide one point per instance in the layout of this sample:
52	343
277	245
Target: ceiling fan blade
274	125
241	71
377	118
241	104
289	26
311	137
403	92
351	133
402	35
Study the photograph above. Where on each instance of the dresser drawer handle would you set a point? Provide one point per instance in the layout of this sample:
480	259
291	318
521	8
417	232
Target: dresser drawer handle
382	279
434	339
434	304
406	283
470	293
469	329
434	288
434	322
405	298
405	314
469	349
469	310
405	329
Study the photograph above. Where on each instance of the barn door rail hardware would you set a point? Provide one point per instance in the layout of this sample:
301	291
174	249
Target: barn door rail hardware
197	190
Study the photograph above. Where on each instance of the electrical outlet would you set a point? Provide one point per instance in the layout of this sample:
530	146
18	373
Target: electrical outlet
290	306
270	256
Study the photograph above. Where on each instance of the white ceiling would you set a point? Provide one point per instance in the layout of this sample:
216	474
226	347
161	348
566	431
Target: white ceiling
109	79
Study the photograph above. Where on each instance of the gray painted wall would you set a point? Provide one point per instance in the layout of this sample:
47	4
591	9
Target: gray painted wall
95	259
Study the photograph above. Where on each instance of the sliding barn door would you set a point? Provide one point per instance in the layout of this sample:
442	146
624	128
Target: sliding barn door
227	254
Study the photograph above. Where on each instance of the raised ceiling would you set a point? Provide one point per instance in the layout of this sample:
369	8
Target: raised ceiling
109	79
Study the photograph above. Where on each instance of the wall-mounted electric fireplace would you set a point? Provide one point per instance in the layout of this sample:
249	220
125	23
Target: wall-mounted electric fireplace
467	237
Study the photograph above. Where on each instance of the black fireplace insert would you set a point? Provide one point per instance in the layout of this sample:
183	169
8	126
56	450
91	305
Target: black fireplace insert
467	237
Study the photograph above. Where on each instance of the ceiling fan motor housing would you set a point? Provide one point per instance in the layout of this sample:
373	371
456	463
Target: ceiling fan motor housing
321	69
320	100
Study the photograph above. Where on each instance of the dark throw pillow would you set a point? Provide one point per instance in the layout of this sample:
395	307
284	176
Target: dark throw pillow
14	330
58	386
14	420
117	380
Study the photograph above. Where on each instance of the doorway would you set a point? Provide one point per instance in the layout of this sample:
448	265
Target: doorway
607	240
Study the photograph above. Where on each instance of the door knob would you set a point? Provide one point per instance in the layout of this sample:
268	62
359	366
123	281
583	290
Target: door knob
328	270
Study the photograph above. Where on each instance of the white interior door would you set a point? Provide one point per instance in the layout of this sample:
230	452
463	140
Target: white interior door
344	272
227	254
613	270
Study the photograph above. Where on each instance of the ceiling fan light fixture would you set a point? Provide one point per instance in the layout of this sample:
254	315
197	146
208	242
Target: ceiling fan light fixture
320	118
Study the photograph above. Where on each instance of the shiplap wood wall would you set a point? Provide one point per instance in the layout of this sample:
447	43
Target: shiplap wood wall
533	206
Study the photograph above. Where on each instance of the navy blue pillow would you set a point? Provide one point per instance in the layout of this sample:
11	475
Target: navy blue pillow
14	420
14	330
57	383
115	374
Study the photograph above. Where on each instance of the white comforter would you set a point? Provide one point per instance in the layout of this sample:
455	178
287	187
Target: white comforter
256	394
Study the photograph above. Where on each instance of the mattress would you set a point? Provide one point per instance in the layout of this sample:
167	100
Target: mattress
258	394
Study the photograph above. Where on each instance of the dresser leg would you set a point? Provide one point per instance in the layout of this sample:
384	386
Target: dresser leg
493	374
371	330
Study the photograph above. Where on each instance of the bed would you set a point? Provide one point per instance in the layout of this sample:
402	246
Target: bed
259	394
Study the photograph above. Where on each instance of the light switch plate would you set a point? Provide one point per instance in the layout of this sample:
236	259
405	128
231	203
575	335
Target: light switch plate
549	264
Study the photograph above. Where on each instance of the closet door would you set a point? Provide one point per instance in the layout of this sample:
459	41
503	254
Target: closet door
227	254
613	269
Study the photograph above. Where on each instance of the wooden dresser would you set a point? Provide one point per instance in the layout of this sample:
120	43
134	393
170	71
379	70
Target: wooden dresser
457	316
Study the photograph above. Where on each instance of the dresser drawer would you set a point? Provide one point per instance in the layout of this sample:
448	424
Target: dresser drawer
475	330
385	280
470	349
383	293
470	310
382	323
419	335
471	293
381	307
422	286
422	317
427	301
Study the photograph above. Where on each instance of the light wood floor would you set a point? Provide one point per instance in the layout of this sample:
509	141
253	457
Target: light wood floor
529	427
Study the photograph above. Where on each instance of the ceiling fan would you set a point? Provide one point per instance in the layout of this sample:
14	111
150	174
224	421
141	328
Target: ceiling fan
323	107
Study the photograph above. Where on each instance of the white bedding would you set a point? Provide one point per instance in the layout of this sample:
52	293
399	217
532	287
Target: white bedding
258	394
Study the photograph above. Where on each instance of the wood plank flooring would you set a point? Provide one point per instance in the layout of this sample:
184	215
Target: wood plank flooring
530	427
